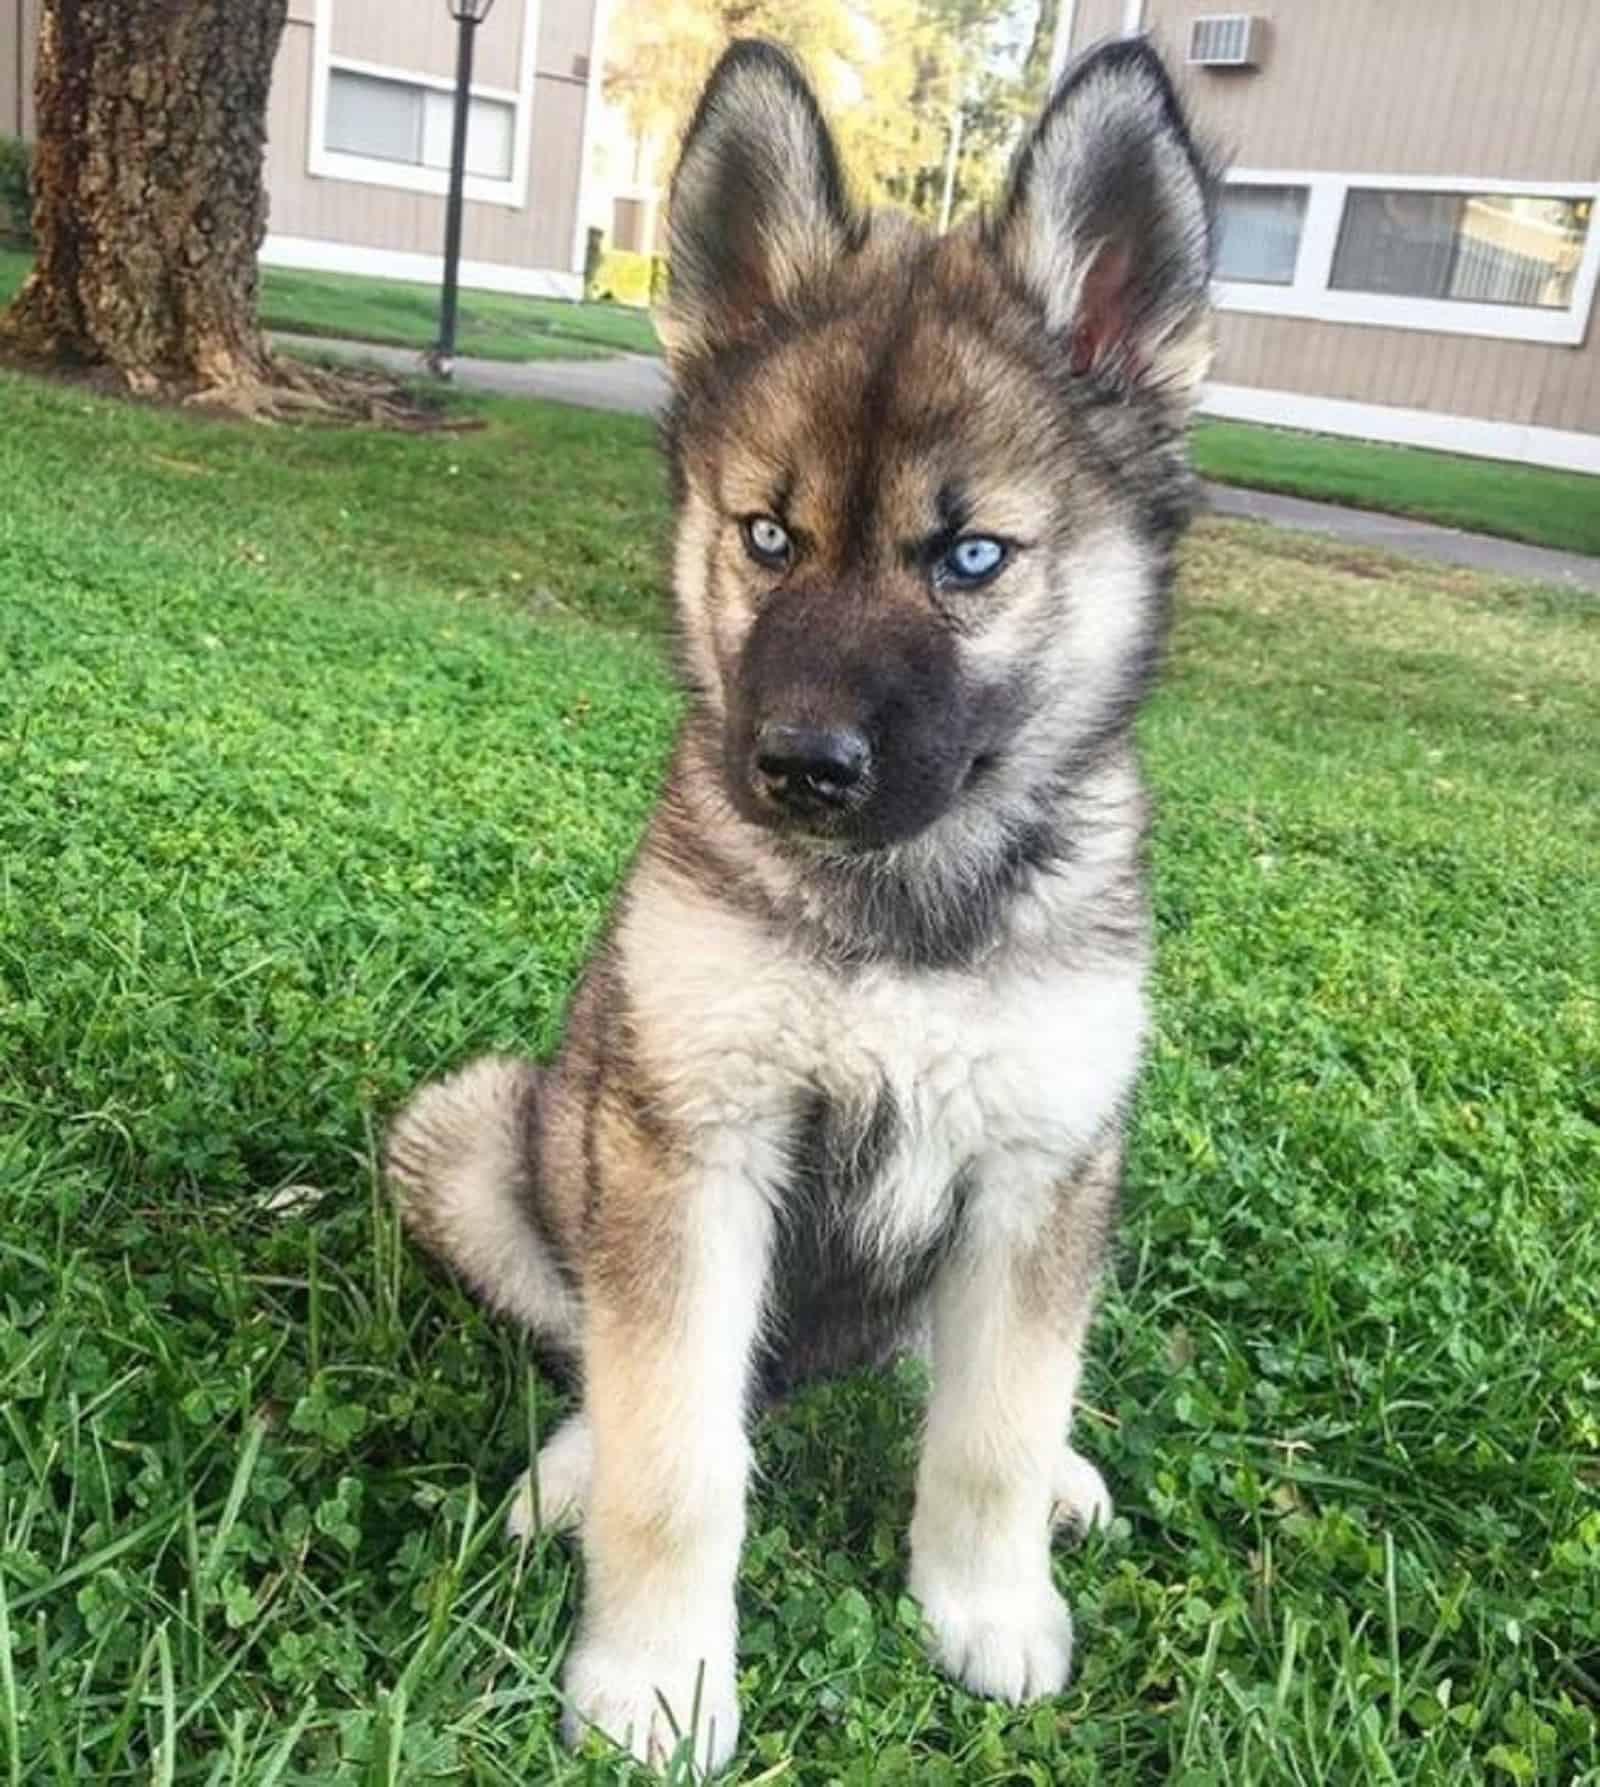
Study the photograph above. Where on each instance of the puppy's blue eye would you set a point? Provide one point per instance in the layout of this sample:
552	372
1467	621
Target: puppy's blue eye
768	542
972	560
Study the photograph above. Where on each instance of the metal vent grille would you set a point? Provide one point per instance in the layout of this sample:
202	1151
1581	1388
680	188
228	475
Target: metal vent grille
1223	40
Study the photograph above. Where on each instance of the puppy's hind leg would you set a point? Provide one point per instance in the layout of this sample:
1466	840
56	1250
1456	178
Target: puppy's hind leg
462	1158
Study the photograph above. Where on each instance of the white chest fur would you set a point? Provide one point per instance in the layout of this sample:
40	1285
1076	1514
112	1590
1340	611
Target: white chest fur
1007	1075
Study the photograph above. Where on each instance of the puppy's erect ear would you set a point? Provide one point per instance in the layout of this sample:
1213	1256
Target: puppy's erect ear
1107	220
758	204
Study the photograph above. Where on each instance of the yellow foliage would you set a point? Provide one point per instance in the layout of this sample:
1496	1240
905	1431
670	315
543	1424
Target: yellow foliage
889	74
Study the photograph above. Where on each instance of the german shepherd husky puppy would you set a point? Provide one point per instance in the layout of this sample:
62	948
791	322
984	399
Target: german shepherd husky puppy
850	1064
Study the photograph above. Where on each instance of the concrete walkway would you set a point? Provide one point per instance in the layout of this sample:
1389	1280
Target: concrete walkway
1418	539
637	384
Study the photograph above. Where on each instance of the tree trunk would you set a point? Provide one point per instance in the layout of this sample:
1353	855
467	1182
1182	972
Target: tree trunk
149	206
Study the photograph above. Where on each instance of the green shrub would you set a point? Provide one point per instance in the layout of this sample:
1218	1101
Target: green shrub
16	190
624	277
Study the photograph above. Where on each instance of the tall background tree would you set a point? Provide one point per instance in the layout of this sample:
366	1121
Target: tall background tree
900	80
149	204
968	86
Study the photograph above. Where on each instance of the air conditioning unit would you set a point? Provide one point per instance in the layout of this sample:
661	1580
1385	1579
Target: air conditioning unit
1225	40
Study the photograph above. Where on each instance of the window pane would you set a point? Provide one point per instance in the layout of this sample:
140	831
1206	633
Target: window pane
489	133
438	113
1258	233
1519	250
489	136
366	116
1485	248
1397	242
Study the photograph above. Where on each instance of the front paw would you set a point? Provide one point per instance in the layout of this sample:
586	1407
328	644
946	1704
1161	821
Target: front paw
1005	1642
656	1710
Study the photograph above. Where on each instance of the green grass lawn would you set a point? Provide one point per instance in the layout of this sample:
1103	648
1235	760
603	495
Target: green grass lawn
1487	496
320	756
491	325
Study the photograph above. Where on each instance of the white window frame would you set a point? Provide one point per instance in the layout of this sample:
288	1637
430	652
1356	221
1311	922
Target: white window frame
369	170
1312	297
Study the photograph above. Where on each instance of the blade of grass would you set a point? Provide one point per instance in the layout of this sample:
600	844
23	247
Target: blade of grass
166	1749
10	1725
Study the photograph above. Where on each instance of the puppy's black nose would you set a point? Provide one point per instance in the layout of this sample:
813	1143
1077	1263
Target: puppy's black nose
810	765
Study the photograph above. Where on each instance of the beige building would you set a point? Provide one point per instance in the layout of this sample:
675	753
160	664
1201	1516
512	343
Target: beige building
1409	243
19	30
358	130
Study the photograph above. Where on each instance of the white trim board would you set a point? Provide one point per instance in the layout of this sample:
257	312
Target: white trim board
308	254
1522	443
1311	298
1536	189
334	164
591	108
414	77
1061	43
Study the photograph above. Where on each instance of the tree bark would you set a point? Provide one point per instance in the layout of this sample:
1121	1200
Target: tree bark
149	204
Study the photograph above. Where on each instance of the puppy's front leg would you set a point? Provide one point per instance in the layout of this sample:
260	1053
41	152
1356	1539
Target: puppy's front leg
672	1300
1011	1308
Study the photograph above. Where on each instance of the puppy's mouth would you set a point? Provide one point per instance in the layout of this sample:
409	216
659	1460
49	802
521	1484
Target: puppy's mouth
816	827
809	803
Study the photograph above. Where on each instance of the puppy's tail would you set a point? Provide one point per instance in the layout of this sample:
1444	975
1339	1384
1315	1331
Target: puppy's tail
462	1158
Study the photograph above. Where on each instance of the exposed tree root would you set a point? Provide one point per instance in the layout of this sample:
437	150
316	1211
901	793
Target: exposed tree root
272	390
287	390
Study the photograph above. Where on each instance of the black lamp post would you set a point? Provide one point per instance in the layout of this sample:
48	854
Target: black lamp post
468	15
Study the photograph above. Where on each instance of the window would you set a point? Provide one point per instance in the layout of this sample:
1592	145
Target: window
1513	260
400	121
1482	248
1258	233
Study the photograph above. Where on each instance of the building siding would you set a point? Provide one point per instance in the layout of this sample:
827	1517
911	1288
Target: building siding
13	76
421	38
19	31
1454	88
565	34
1094	20
539	234
1500	381
1451	87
